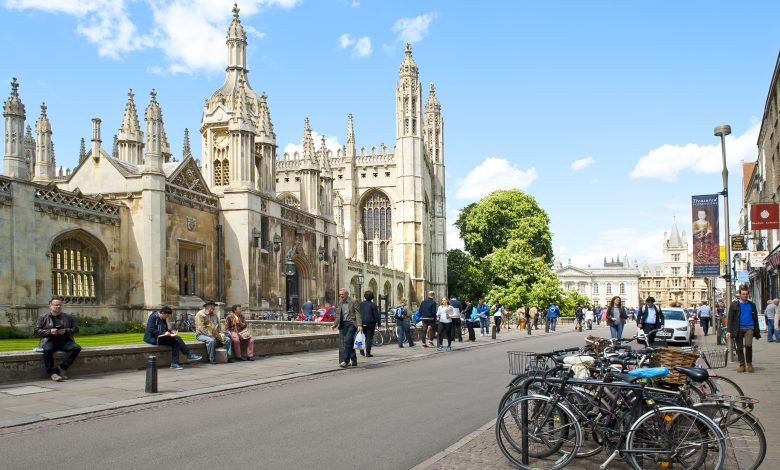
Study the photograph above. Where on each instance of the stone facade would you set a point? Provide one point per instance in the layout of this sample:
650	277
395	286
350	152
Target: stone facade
601	284
132	229
672	280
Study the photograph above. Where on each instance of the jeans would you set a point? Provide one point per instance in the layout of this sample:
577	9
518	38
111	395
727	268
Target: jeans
772	334
176	344
553	321
497	320
646	328
484	326
744	340
236	342
211	346
457	333
445	330
369	330
404	331
616	330
347	350
67	345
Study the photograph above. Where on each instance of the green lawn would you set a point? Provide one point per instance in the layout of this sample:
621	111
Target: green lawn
94	340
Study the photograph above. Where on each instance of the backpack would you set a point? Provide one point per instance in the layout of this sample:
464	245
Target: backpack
400	313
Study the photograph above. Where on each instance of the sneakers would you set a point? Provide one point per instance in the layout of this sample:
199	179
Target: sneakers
449	348
343	365
56	377
62	373
750	367
193	357
369	355
400	345
362	353
440	348
411	345
244	358
250	358
354	364
177	366
741	369
425	345
482	334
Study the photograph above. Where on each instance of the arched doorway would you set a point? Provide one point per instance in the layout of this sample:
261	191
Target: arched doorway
293	284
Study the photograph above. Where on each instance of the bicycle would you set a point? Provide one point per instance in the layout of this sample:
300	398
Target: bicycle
186	324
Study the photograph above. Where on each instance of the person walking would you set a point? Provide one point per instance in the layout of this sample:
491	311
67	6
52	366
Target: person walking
456	322
553	312
498	314
468	311
349	323
616	317
770	312
444	315
597	314
369	312
579	316
56	330
743	327
651	318
483	313
307	308
403	324
534	315
428	318
705	316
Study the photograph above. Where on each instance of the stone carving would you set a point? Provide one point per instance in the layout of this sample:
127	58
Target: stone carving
51	200
191	223
186	187
297	217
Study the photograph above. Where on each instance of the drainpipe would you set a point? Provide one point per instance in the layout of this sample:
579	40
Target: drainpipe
220	264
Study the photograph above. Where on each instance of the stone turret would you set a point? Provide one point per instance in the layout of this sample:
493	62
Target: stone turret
96	138
14	164
326	175
130	138
185	151
153	159
44	151
309	174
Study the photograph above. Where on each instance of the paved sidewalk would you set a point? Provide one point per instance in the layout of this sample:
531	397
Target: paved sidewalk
40	400
478	450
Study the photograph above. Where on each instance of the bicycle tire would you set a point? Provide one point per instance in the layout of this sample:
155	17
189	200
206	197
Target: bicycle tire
744	434
675	437
725	386
378	339
552	433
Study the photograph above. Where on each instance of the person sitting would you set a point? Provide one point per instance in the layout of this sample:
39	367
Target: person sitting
208	329
56	330
235	323
158	333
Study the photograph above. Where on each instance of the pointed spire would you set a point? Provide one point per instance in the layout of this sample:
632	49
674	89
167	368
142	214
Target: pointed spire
155	135
350	147
236	30
674	237
264	120
130	122
408	66
324	158
185	151
236	42
432	105
13	105
308	143
82	150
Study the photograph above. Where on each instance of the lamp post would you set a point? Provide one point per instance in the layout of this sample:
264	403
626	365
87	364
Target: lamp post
359	278
722	131
289	271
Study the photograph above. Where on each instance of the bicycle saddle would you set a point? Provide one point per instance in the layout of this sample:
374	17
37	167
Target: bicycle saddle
650	372
697	374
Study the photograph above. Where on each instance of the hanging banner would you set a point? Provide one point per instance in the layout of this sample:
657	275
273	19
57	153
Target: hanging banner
738	243
706	254
723	260
764	216
757	258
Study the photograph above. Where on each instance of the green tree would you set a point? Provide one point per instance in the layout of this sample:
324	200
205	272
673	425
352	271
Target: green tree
571	299
465	279
502	217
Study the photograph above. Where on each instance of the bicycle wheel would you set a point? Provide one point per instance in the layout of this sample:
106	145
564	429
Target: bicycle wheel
675	437
378	340
726	386
543	434
744	434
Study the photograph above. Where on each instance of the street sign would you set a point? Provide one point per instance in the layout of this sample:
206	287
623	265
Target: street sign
757	258
743	277
764	216
738	243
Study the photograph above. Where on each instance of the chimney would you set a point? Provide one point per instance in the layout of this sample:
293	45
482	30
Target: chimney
96	138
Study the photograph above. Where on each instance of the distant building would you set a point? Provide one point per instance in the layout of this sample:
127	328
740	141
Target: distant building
672	281
601	284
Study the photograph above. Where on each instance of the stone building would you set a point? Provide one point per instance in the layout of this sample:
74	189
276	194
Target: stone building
616	277
672	280
133	228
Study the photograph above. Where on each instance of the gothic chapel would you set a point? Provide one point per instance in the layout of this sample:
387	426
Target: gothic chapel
132	228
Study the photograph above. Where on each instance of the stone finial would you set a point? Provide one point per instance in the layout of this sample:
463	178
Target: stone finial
43	109
115	147
82	150
308	142
186	152
235	10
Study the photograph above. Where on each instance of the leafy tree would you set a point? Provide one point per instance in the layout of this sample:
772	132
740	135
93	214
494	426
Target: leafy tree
503	217
571	299
465	279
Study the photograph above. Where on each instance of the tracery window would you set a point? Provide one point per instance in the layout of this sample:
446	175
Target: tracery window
190	269
75	270
377	225
221	172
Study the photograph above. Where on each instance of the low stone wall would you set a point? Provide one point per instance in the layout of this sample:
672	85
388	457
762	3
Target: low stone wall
16	366
270	327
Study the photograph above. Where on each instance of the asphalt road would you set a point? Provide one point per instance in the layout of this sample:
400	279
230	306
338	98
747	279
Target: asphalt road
390	416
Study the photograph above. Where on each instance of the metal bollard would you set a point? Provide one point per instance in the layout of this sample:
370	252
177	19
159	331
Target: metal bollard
151	374
493	332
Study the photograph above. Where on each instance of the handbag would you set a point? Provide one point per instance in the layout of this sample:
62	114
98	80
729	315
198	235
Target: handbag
244	334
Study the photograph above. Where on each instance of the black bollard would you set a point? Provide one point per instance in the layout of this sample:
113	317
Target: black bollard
151	374
493	332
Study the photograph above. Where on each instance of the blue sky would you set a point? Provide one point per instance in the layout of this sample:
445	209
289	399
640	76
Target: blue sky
604	111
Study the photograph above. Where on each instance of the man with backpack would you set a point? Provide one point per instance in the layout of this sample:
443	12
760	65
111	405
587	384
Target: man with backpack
471	317
428	309
456	326
403	324
552	315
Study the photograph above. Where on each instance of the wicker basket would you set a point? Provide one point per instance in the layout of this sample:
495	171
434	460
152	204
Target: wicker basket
597	344
669	358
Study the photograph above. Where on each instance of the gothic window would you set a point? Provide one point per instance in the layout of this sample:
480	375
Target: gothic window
76	269
190	269
377	224
609	288
383	254
595	288
622	288
221	172
369	252
290	200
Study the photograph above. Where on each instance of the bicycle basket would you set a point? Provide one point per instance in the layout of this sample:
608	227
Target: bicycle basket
521	362
716	358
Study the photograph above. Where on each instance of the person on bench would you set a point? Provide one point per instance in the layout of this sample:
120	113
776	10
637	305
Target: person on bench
157	333
56	330
208	329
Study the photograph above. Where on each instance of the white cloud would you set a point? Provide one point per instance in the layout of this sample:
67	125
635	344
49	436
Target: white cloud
413	29
361	47
638	245
331	142
582	163
191	33
493	174
453	235
668	161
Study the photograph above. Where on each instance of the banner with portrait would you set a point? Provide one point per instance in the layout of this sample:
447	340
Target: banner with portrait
706	247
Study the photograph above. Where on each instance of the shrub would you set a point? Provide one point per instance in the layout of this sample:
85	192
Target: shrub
133	327
7	332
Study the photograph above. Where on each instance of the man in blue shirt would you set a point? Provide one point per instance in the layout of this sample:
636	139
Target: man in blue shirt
307	308
552	316
743	327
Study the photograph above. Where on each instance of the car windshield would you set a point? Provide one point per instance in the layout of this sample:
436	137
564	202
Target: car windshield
674	315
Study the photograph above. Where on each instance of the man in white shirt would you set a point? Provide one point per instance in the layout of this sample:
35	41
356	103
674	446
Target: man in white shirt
651	318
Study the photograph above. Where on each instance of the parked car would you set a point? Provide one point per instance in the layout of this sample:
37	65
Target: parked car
324	314
677	327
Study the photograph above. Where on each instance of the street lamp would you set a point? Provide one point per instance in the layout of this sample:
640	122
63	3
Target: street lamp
722	131
289	271
359	279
